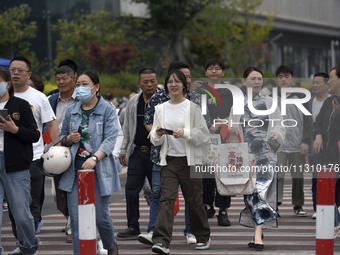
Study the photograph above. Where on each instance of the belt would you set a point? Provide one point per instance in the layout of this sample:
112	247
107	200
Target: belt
142	148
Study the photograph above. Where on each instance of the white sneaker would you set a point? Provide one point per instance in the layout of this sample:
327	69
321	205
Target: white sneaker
190	238
314	216
15	251
203	246
160	249
100	248
336	230
146	238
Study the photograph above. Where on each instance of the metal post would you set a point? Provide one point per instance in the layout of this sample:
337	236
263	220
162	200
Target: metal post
333	43
86	212
325	212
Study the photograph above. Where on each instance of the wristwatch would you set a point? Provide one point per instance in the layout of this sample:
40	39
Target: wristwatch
95	158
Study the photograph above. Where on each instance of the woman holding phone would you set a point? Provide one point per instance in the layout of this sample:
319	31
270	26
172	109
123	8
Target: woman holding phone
180	129
90	128
263	137
18	130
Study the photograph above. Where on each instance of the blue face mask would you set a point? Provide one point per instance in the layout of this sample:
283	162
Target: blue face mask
3	88
84	94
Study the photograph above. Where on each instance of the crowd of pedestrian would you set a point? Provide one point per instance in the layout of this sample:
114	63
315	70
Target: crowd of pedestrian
159	134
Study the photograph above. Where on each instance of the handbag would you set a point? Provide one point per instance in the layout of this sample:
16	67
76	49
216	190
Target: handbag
236	174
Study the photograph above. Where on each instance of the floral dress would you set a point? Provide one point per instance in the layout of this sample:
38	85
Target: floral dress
255	134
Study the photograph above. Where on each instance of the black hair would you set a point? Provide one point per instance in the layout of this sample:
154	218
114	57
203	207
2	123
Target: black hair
324	75
251	69
65	69
180	76
337	70
178	65
214	61
6	75
234	81
147	70
284	69
70	63
19	58
37	82
93	77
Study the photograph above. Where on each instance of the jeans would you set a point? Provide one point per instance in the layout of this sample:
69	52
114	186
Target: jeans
17	185
156	193
154	204
103	219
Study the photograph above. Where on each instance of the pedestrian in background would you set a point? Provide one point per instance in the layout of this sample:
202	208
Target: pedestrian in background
260	208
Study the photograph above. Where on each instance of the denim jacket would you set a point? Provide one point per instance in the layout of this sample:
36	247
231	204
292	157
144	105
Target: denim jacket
103	129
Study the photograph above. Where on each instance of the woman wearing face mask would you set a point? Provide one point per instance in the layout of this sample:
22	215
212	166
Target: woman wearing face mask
90	127
260	211
17	133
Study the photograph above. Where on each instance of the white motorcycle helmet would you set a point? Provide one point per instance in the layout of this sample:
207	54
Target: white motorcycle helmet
56	160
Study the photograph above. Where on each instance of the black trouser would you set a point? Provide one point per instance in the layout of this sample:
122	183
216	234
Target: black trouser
139	166
37	194
210	194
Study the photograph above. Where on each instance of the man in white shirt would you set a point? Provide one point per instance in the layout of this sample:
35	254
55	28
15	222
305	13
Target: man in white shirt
20	69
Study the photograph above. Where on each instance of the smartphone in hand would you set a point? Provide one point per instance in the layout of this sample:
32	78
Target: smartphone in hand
4	114
168	131
274	145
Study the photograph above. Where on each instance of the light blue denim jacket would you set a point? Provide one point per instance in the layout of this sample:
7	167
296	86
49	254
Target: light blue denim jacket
103	129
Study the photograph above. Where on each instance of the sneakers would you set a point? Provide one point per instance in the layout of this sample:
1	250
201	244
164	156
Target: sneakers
203	246
128	233
336	230
17	251
314	216
299	211
146	238
39	227
4	207
191	239
210	212
222	219
160	249
100	248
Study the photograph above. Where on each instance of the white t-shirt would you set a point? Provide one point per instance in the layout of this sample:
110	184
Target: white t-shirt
316	107
174	118
2	105
42	112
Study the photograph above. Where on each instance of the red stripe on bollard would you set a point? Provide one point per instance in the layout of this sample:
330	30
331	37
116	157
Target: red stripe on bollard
325	213
324	246
86	212
326	187
85	187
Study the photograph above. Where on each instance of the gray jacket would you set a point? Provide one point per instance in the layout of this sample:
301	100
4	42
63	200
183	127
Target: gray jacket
130	127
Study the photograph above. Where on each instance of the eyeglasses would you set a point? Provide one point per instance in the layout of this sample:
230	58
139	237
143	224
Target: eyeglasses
19	70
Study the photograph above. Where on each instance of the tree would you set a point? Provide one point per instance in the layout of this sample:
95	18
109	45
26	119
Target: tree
170	18
102	41
15	32
229	30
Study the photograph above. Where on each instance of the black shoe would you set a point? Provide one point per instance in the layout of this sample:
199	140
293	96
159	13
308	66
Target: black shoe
222	219
299	211
128	233
258	247
253	245
210	212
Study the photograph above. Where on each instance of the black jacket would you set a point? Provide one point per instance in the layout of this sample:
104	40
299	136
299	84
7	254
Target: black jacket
18	150
328	125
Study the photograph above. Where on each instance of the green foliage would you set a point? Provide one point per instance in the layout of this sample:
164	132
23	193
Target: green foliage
107	33
15	32
228	30
170	18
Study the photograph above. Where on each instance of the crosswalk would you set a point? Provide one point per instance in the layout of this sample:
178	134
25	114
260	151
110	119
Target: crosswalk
295	235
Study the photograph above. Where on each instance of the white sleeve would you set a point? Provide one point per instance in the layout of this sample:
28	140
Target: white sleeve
119	141
47	113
